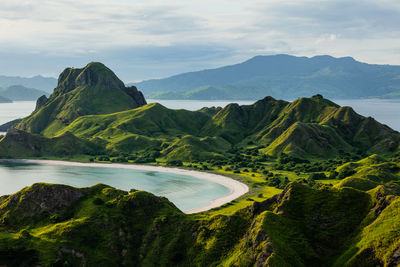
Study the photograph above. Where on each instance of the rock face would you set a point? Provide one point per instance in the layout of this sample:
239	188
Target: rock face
136	95
91	90
92	75
7	126
41	102
41	198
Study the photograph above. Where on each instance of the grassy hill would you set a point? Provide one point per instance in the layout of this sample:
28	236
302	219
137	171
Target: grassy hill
280	76
55	224
305	128
324	182
94	89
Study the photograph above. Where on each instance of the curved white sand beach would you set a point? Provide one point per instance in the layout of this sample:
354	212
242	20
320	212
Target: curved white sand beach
236	188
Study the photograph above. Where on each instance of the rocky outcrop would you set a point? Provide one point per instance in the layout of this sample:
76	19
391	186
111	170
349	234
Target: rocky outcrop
93	74
7	126
41	102
136	95
39	198
91	90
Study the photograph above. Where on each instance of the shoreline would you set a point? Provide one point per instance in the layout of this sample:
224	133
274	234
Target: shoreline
235	187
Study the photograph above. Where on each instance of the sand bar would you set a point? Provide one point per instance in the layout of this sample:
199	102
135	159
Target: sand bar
236	188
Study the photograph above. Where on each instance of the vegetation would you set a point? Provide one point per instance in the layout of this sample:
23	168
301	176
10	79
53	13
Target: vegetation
324	182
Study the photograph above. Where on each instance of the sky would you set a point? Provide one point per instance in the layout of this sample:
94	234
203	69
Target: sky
143	39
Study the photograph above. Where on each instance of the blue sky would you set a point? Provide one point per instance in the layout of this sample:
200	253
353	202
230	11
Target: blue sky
157	38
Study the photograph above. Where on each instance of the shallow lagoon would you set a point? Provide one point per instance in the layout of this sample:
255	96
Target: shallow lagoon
186	192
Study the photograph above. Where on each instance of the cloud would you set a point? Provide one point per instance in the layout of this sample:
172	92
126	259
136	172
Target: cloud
188	35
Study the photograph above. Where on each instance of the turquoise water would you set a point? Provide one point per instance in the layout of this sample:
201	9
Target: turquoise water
186	192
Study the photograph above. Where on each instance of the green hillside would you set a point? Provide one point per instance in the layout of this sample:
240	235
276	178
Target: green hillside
324	182
56	224
93	89
305	128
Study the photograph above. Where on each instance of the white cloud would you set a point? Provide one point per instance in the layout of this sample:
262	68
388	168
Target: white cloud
367	30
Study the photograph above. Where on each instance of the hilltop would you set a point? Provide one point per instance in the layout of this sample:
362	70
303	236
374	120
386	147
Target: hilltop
280	76
94	89
307	128
324	182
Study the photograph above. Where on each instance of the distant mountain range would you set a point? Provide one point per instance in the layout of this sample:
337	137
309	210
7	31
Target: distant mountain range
281	76
21	93
4	100
46	84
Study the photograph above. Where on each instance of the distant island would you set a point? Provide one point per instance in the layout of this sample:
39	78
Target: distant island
5	100
281	76
324	182
38	82
21	93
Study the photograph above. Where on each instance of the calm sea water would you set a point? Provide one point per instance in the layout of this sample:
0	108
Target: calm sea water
15	110
184	191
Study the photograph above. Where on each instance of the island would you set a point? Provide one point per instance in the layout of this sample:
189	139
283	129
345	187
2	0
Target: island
323	182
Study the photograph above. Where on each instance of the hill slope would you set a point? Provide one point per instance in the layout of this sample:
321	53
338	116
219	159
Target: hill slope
94	89
56	224
305	128
281	76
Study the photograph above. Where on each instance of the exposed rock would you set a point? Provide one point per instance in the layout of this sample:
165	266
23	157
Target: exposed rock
394	259
41	102
7	126
136	95
41	198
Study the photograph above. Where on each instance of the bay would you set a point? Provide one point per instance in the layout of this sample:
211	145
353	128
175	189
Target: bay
185	191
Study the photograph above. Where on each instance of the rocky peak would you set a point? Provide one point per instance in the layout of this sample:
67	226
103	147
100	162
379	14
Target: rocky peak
41	102
136	95
93	74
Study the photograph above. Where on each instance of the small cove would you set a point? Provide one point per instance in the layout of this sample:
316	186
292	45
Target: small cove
185	191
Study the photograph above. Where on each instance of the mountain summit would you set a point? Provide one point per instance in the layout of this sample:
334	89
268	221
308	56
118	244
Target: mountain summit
91	90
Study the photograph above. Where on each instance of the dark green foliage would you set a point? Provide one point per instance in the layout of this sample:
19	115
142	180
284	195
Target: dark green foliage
317	176
104	226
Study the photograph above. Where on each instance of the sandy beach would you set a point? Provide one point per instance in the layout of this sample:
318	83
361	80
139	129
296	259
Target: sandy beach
236	188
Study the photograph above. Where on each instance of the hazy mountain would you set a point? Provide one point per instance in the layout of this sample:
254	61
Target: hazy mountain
21	93
4	100
46	84
281	76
